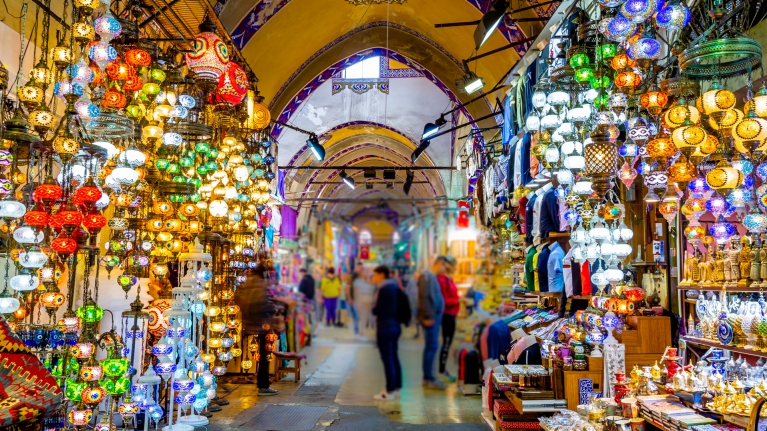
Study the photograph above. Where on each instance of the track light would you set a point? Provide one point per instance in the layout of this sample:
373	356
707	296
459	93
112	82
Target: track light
409	176
431	129
470	83
349	181
421	148
314	144
490	22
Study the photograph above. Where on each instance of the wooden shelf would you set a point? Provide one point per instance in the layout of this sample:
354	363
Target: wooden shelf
711	343
691	301
633	263
719	288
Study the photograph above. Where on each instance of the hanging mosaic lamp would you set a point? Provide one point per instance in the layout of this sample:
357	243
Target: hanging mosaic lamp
673	16
724	178
750	134
209	58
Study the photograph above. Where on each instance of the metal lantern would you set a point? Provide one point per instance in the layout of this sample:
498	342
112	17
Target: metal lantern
716	101
601	160
724	178
750	133
688	138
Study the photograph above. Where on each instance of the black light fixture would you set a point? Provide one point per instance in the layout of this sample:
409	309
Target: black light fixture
317	150
349	181
490	22
431	129
469	83
418	151
410	175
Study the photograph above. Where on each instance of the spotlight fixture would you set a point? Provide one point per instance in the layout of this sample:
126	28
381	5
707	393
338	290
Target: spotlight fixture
349	181
470	83
418	151
314	144
410	175
431	129
490	22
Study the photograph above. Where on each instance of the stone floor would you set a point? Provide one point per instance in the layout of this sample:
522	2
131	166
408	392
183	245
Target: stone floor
343	374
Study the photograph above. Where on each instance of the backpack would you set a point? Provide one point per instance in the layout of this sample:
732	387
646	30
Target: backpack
404	313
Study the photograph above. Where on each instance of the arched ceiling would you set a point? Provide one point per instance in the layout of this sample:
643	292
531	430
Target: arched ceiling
298	47
278	36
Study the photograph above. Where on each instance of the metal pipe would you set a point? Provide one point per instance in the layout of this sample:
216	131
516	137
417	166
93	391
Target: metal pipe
503	48
390	168
367	200
156	14
51	14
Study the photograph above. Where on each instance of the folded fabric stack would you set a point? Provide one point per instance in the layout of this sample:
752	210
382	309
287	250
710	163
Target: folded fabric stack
507	417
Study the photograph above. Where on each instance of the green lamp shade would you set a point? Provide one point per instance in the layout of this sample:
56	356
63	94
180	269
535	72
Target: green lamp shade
607	51
584	74
579	60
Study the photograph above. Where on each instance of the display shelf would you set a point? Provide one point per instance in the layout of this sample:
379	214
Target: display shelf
691	301
711	343
535	406
719	288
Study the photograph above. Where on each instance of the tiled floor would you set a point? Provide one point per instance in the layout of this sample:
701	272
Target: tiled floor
343	374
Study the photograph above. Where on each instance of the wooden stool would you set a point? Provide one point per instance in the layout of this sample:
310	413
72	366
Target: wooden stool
280	369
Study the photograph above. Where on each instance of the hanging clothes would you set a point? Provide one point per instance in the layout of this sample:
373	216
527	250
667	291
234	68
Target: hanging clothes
529	208
549	221
543	268
529	268
555	268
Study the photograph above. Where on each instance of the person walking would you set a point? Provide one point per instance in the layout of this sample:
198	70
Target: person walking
331	289
363	292
258	319
306	285
388	331
452	306
431	305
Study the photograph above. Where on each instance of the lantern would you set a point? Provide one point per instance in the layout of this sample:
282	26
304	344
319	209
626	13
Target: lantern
232	85
209	57
724	177
749	134
716	101
688	138
654	101
673	16
627	80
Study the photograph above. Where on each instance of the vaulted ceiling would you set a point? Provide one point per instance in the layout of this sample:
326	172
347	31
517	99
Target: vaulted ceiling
297	48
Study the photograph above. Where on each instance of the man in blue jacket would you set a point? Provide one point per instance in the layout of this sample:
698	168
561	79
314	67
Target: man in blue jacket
431	305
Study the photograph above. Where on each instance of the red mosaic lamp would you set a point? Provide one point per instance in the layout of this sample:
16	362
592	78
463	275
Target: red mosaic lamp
48	192
70	218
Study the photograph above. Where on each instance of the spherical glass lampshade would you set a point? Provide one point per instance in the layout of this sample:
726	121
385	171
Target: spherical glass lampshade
539	99
717	100
12	209
654	101
558	98
730	118
24	282
613	274
575	163
583	187
758	103
724	177
739	197
125	175
755	222
628	80
673	16
661	146
688	138
722	231
8	304
749	134
620	28
681	172
656	180
599	279
622	61
232	85
645	48
679	114
638	11
209	58
33	259
551	122
102	54
107	26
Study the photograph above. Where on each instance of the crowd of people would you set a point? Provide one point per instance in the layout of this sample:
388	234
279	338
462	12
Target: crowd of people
381	302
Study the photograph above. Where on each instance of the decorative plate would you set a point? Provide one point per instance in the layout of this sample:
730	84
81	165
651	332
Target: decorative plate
724	333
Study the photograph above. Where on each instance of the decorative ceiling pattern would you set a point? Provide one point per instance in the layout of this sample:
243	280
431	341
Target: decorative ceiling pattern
264	10
353	33
294	105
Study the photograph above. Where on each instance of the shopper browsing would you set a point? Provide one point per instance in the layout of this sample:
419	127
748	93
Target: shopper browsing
452	306
431	306
363	292
331	289
388	331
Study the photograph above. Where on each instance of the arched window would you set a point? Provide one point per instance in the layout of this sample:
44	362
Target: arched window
395	237
366	238
368	68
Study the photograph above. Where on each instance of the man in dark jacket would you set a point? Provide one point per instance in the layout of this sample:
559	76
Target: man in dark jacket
257	320
388	331
306	285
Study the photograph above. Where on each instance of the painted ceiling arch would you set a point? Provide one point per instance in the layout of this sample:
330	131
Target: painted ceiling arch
357	155
290	32
350	129
405	106
328	74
